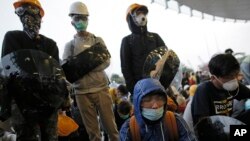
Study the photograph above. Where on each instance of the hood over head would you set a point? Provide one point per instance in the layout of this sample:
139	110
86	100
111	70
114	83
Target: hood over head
143	88
131	23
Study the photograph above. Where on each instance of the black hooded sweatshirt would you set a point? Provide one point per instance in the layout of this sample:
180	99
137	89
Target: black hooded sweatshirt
134	50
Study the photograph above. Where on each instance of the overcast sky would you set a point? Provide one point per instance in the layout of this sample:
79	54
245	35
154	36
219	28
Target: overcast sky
193	39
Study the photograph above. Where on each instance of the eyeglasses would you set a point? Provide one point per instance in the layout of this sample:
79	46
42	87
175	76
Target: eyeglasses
27	8
79	17
138	12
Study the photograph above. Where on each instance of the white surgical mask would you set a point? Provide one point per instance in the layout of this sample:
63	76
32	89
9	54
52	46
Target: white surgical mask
152	114
231	85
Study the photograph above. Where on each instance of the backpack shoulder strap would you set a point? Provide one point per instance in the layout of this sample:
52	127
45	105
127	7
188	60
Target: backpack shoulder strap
95	39
170	123
72	46
134	129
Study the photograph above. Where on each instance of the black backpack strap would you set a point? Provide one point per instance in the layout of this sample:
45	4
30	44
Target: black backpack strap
72	46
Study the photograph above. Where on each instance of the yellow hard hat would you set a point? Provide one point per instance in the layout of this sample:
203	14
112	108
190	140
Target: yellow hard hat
134	7
113	94
36	3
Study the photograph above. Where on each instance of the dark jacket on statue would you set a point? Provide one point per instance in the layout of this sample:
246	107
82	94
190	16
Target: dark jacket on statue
134	50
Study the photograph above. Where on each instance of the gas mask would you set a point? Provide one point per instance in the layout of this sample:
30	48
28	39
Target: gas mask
31	25
139	19
81	25
31	19
80	22
26	8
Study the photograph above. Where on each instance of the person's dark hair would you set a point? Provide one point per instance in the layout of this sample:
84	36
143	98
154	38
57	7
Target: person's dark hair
223	65
229	50
123	89
124	107
184	94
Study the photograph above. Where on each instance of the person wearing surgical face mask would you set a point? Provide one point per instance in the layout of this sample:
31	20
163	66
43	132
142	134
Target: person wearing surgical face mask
122	112
216	96
230	85
150	106
136	46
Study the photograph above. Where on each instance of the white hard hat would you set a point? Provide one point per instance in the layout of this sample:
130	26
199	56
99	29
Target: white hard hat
78	8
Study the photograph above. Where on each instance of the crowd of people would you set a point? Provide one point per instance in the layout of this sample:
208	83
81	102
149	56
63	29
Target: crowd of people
41	106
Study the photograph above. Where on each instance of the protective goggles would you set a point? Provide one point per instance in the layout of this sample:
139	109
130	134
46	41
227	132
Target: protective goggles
27	8
139	12
79	17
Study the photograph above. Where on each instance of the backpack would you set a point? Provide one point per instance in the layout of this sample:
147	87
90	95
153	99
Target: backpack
169	122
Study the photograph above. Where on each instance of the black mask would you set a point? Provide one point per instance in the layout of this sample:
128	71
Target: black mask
31	19
31	25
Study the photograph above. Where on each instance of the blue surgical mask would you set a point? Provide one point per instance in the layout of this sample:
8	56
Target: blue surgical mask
152	114
81	25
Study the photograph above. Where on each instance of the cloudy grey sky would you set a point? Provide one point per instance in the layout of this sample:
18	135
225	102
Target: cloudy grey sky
193	39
